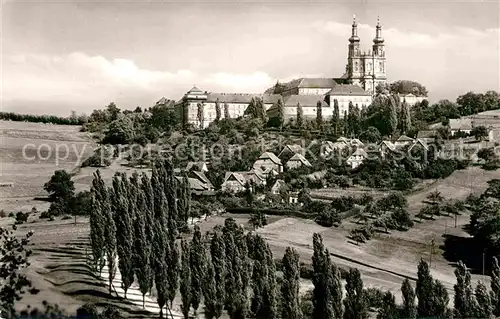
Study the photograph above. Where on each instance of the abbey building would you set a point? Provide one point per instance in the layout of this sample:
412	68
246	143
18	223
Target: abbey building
356	87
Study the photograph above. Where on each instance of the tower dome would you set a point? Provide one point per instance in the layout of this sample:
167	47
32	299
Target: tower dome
378	36
354	36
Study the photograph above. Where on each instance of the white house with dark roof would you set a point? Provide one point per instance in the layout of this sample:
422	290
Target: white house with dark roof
357	158
236	182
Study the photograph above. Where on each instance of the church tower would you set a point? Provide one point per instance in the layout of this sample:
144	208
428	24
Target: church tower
354	63
379	71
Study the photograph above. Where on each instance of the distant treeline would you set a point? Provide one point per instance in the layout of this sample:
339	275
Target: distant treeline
71	120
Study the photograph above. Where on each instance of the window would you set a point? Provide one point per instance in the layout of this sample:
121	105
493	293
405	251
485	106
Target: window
381	66
356	66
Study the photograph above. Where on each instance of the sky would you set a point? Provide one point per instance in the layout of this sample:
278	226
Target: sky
65	55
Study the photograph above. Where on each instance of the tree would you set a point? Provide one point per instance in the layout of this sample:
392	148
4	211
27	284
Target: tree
210	291
185	280
336	290
142	248
495	287
370	135
300	116
120	131
480	132
319	115
281	113
394	105
217	110
322	301
336	116
97	225
355	302
13	259
463	302
201	114
218	255
404	118
388	309
408	310
424	290
113	111
407	87
290	287
483	304
61	189
197	263
226	111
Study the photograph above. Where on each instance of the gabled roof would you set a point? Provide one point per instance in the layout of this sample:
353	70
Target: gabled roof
195	184
426	134
404	138
237	176
195	90
388	144
348	89
270	156
343	140
357	142
197	165
203	178
300	158
292	148
317	83
461	124
278	184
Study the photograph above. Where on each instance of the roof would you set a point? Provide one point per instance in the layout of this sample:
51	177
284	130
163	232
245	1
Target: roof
202	177
292	148
404	138
278	183
388	144
426	134
271	156
198	165
461	124
308	100
195	90
348	89
316	83
300	158
195	184
238	177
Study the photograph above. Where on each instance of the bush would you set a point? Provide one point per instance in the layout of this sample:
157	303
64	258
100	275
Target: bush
3	213
11	214
374	297
328	218
21	217
45	214
100	158
65	217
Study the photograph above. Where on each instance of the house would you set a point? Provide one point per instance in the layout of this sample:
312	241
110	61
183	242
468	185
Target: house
385	147
293	197
289	150
357	158
329	147
198	166
463	125
419	143
298	160
428	136
356	143
198	183
278	185
268	161
235	182
267	172
403	140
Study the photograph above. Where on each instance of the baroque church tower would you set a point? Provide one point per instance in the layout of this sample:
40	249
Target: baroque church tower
366	69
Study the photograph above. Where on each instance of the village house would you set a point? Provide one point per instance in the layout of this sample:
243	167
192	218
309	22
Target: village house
289	150
385	147
463	125
198	183
198	166
278	185
403	140
235	182
298	160
268	161
357	158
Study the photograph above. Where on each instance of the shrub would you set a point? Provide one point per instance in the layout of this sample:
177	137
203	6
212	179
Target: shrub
100	158
45	214
21	217
3	213
374	297
11	214
65	217
328	218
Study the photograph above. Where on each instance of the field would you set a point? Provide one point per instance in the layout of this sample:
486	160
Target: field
59	269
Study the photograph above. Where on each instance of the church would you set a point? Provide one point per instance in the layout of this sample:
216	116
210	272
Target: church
364	71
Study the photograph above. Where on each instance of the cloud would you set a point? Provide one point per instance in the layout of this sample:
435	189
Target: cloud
81	79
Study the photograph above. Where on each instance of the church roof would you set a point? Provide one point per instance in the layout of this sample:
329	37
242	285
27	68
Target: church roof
348	89
316	83
305	100
241	97
195	90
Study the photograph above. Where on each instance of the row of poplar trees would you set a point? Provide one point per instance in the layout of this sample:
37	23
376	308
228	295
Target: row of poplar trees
134	225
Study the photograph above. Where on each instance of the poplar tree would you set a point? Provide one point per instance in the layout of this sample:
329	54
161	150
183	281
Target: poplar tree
495	287
300	116
185	279
124	230
350	120
261	109
424	290
355	302
405	118
109	231
160	266
483	305
97	224
464	295
319	115
290	308
441	300
173	269
408	310
336	290
210	291
218	255
322	301
336	116
281	113
226	111
393	105
388	308
217	110
142	249
197	264
252	109
201	114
